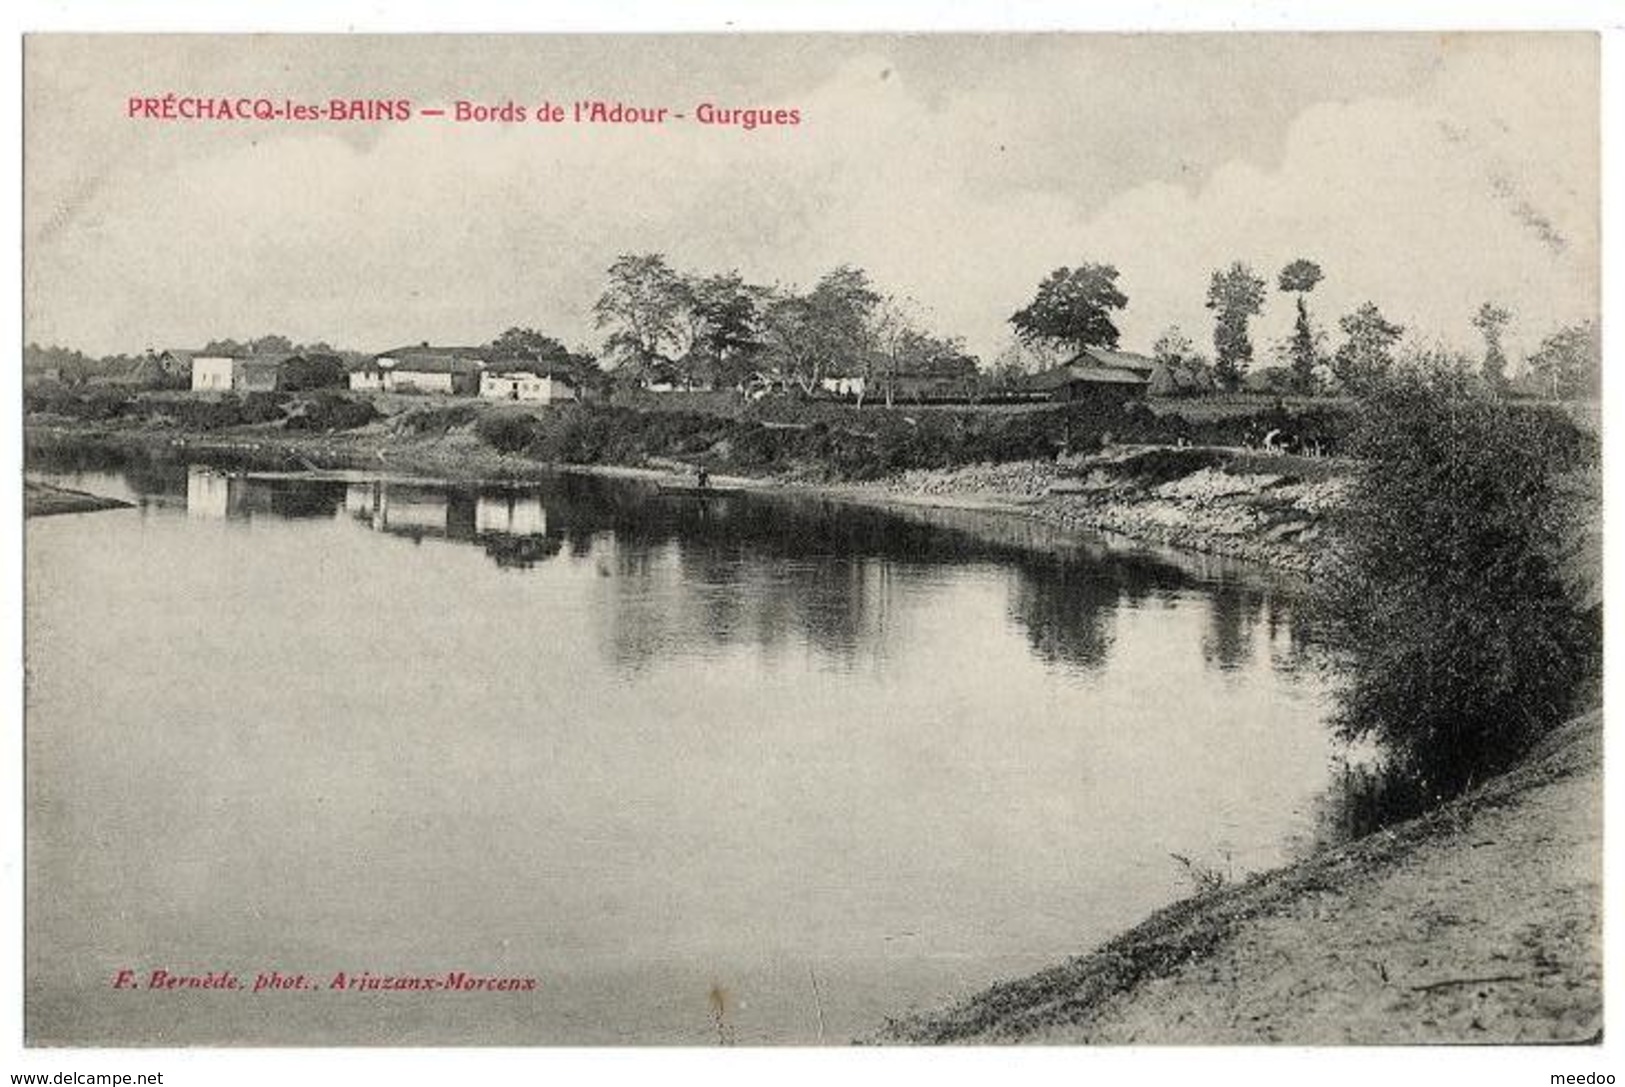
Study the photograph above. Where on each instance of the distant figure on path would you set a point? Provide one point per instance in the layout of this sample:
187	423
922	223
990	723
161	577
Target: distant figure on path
703	476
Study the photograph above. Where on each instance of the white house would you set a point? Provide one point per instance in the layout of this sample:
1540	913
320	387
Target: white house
368	377
545	388
227	373
212	372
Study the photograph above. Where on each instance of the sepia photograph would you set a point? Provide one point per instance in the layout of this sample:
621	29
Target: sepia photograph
812	539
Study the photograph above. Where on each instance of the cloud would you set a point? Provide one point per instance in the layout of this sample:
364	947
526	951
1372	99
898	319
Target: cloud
1476	182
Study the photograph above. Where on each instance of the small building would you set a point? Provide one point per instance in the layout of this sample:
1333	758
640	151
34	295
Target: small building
367	377
422	369
236	373
535	382
1096	374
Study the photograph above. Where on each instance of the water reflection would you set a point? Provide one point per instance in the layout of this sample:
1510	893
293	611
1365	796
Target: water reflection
214	495
681	575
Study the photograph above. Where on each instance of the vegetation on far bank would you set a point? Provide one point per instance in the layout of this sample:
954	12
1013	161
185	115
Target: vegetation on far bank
805	439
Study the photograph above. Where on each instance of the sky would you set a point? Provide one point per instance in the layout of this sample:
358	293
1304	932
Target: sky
1425	172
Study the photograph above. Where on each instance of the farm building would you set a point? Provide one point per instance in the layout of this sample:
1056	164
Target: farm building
422	369
535	382
232	373
1095	374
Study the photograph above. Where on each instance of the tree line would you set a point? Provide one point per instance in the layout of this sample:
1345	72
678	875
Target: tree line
716	330
667	327
1073	309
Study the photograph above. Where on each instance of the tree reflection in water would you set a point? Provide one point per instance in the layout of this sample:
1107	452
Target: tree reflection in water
684	574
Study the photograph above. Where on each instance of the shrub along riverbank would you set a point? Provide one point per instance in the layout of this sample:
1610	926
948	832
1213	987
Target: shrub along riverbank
812	441
1458	603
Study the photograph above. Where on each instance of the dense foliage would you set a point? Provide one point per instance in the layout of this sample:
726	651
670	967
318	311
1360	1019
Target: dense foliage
507	433
323	410
839	444
331	411
1235	295
1447	595
1073	307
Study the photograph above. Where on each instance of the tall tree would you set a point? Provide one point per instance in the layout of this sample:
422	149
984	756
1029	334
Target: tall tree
1173	347
809	335
895	330
1569	361
725	315
1073	307
1365	358
1490	320
1303	349
1236	295
644	306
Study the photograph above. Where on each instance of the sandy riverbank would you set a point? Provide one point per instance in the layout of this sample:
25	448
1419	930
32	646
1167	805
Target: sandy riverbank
1477	922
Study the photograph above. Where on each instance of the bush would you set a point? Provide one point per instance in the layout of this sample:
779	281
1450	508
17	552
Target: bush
330	411
207	414
1444	597
507	433
97	403
438	420
262	408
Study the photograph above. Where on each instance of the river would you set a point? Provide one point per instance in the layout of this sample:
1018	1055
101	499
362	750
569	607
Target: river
759	769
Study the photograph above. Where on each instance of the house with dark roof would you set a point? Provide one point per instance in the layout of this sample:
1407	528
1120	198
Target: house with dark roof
1097	374
422	369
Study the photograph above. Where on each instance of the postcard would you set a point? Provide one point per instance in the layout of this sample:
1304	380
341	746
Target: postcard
807	539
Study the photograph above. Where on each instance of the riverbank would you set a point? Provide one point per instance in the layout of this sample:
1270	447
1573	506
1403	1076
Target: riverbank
46	500
1226	502
1265	510
1478	922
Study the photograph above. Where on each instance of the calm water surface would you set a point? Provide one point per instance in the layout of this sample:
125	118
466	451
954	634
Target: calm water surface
759	769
